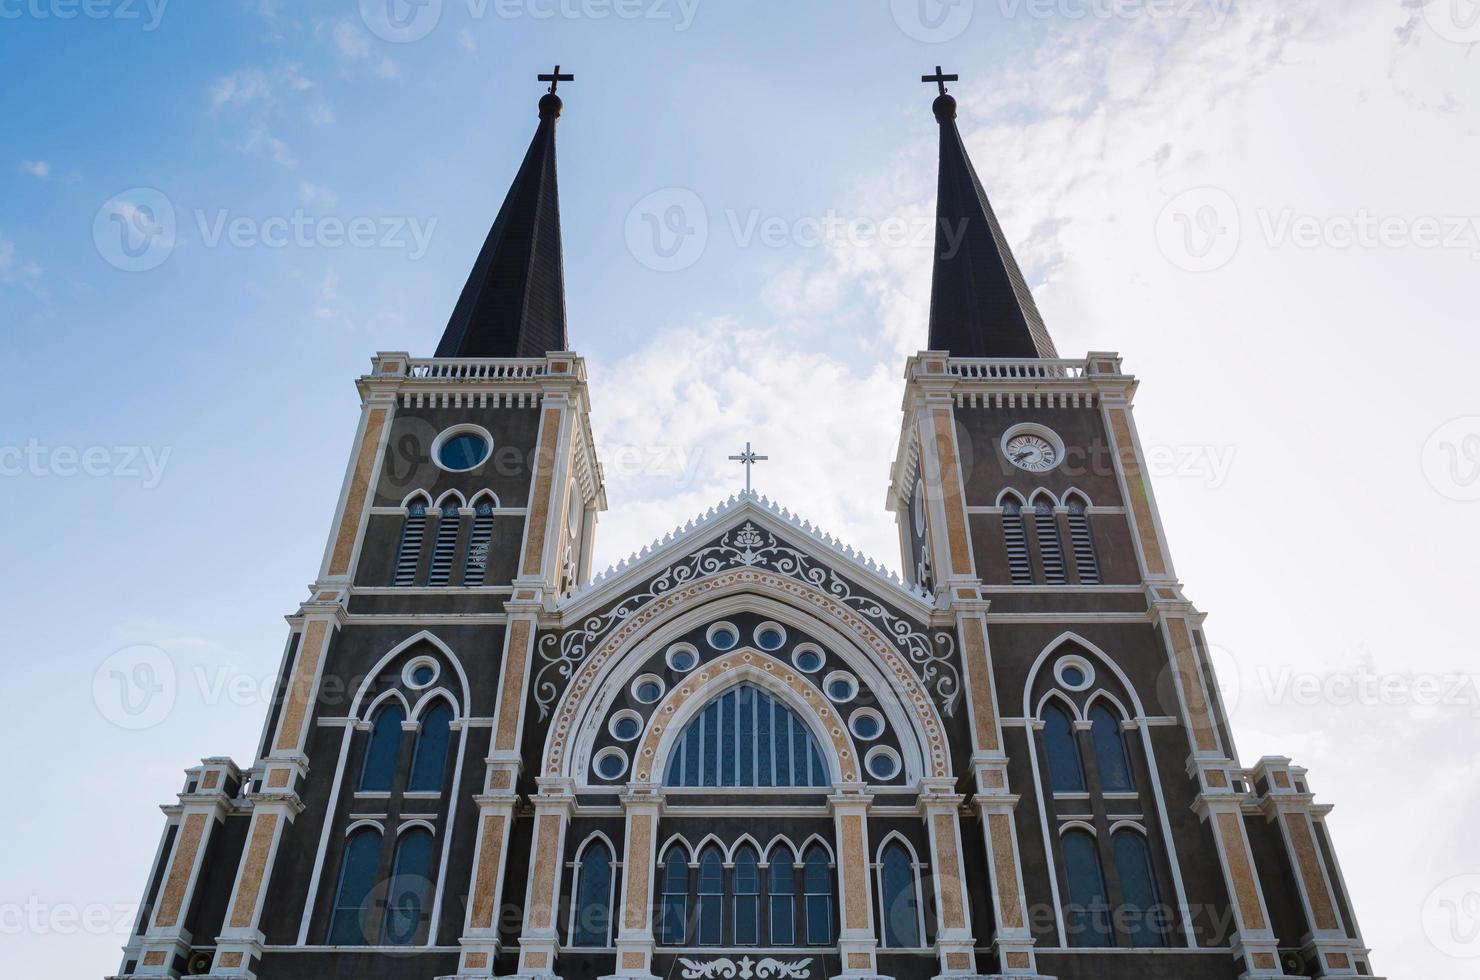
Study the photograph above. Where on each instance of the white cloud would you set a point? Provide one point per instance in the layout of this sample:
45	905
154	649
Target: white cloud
387	69
350	40
39	169
316	196
16	271
465	39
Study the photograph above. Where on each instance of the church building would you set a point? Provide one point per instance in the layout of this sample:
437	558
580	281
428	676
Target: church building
748	752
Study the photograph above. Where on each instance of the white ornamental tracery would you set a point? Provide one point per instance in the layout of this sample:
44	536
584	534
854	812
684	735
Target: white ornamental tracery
724	968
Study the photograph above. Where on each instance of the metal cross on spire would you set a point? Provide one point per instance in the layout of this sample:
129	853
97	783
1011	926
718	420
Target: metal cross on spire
555	78
749	458
940	78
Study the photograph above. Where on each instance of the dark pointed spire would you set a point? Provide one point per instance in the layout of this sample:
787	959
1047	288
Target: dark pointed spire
980	305
514	302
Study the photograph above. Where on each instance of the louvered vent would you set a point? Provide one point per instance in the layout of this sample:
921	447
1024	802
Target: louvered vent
1050	549
445	545
1083	543
476	567
409	555
1017	544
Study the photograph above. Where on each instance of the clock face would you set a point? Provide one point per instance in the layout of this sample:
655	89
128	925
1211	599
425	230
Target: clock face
1032	452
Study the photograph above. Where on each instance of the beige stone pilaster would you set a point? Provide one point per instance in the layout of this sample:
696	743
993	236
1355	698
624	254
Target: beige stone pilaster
1255	945
1115	391
635	934
539	939
955	945
857	944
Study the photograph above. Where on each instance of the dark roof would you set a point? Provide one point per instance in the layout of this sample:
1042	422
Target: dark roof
980	305
514	302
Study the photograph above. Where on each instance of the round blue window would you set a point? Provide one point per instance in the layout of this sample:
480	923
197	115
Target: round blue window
867	726
648	692
840	690
683	660
723	639
1072	676
809	661
423	675
611	766
626	728
770	638
463	451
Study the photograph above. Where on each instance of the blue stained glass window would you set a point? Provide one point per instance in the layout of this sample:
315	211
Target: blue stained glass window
723	639
407	907
672	923
430	759
901	902
356	879
1072	676
867	726
746	889
809	661
818	891
627	728
1110	757
384	750
1064	765
1088	915
769	639
649	691
463	451
592	923
1142	913
746	737
783	897
710	898
423	675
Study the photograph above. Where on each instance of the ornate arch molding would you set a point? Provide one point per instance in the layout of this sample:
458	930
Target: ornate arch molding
822	612
459	710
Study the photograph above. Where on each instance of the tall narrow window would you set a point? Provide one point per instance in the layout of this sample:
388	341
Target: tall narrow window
1087	921
746	737
406	904
352	897
710	898
379	773
408	556
1142	912
592	915
673	922
1050	550
783	897
1083	543
1066	770
900	897
475	569
817	887
445	545
746	889
1017	542
429	761
1110	757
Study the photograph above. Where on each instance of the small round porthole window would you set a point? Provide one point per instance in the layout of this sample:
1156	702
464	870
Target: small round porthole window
723	636
648	689
625	725
462	448
882	763
919	507
611	763
866	723
682	657
421	672
1075	673
770	636
840	686
808	658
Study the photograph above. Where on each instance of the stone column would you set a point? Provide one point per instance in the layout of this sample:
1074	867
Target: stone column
635	934
165	946
1255	943
539	940
857	944
955	945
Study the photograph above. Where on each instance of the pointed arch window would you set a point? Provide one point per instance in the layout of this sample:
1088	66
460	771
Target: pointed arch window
746	737
1085	564
1087	922
1050	549
746	889
1066	769
407	909
817	888
709	905
408	555
673	920
900	896
475	567
592	914
1018	563
1110	756
782	899
356	880
1141	912
445	544
383	750
429	761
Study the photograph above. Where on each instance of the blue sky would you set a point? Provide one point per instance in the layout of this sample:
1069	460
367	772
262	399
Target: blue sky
1109	137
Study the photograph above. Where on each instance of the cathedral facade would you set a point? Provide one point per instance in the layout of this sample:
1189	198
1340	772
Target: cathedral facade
747	753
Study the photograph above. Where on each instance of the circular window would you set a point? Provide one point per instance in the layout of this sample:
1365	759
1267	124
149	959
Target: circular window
625	725
1075	673
882	762
462	448
723	636
421	672
770	636
840	686
808	658
919	507
611	763
866	723
648	688
575	512
682	657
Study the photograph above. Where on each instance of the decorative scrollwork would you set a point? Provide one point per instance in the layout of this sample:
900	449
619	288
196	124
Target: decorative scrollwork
744	547
724	968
